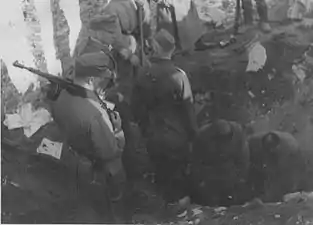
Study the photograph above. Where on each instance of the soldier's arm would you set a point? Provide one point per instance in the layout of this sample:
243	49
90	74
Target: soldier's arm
187	100
121	41
103	140
139	105
240	154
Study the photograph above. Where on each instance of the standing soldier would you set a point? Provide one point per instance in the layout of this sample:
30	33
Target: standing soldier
222	153
93	130
276	162
262	11
163	106
119	27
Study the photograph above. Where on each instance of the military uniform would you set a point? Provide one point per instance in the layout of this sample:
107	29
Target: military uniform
220	162
163	105
118	26
89	128
276	162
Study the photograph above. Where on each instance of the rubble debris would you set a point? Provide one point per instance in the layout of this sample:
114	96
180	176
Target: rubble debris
27	119
299	72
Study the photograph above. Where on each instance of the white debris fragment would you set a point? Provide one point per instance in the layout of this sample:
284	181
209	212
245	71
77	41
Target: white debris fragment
220	209
183	214
298	196
196	211
28	119
299	72
257	57
51	148
251	94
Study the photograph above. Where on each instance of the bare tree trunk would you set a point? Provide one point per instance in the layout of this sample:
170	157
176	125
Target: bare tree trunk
61	31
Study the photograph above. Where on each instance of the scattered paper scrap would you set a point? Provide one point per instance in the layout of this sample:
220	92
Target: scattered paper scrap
299	72
257	57
197	211
220	209
51	148
28	119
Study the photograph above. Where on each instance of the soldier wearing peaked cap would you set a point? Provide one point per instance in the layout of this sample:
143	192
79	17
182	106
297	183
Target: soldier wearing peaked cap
162	103
91	128
118	26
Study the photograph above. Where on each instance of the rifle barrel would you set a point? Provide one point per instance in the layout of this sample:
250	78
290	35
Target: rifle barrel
49	77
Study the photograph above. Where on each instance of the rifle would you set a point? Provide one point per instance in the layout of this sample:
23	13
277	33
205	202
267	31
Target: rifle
237	17
141	38
59	84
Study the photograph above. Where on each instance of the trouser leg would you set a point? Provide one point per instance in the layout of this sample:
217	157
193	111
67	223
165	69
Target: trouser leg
119	196
262	10
247	11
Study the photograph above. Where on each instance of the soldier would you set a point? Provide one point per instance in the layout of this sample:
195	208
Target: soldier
92	130
262	11
118	26
162	103
221	152
275	160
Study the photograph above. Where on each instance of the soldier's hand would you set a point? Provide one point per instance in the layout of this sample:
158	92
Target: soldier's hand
117	122
135	61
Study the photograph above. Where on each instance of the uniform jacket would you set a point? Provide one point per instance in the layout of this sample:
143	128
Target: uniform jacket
280	174
162	97
87	128
224	157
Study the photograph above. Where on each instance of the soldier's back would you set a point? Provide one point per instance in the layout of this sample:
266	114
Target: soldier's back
279	169
74	115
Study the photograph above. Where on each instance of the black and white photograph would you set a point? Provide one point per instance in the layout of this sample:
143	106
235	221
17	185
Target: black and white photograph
170	112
